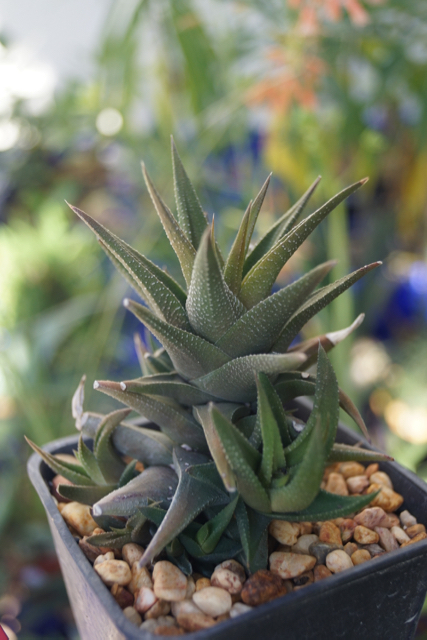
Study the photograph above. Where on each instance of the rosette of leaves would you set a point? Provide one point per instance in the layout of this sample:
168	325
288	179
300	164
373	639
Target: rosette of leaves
216	395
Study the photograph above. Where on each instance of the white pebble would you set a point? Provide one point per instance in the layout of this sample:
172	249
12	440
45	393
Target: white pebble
238	608
213	601
338	561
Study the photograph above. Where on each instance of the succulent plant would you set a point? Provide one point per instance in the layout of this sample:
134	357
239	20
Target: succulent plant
222	450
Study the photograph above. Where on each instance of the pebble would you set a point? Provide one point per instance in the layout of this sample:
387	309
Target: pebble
261	587
415	529
132	552
195	621
169	582
338	561
213	601
304	579
360	556
363	535
202	583
184	606
91	552
371	468
78	516
132	614
357	484
336	484
145	599
407	519
303	543
305	528
114	572
226	579
159	608
351	469
140	578
163	630
239	608
350	548
387	499
291	565
371	517
191	587
321	549
420	536
321	572
387	539
103	558
374	550
400	535
122	596
152	624
330	533
347	527
379	477
284	532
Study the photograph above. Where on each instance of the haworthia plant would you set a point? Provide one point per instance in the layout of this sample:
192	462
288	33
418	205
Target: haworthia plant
215	426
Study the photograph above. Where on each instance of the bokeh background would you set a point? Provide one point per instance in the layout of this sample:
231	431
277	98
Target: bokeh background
297	87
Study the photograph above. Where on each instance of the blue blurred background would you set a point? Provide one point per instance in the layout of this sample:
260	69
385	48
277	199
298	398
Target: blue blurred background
297	87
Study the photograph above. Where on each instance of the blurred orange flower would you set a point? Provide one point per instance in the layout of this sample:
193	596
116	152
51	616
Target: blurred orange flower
313	12
292	79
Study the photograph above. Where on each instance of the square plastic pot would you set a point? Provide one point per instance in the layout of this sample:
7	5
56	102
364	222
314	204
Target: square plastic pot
378	599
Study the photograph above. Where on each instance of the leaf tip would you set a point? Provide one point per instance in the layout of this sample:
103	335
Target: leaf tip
96	384
126	303
363	181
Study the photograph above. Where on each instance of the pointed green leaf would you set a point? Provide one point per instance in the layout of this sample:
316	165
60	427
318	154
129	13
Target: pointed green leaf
273	457
234	264
327	506
253	534
190	498
216	449
243	459
154	285
295	384
173	420
328	341
210	533
317	438
317	301
84	494
112	539
279	229
192	355
177	238
75	473
149	446
155	483
235	381
128	474
258	329
191	216
109	462
88	460
176	389
325	408
305	481
345	452
211	306
255	208
259	280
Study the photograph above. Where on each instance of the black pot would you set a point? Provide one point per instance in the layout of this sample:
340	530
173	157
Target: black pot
380	599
